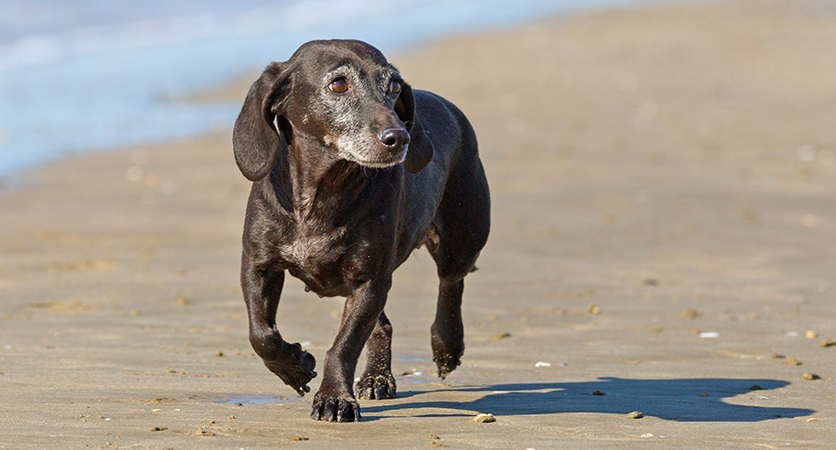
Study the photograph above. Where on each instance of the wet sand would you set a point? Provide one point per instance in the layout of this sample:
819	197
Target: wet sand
663	184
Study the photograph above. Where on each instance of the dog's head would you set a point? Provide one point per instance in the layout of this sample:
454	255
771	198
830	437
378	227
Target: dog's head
343	95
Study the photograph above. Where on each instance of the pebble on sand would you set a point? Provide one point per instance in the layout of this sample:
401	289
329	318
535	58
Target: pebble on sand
542	364
691	313
484	418
635	415
828	343
810	376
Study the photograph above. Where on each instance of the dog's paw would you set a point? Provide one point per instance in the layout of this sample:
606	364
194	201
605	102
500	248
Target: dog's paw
296	371
446	364
335	408
446	355
376	387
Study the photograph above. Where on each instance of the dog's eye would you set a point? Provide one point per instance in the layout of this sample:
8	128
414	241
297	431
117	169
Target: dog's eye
339	85
395	87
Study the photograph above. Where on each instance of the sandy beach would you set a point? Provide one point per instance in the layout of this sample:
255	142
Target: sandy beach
663	242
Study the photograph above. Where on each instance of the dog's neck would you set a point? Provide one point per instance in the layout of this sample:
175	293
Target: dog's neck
321	181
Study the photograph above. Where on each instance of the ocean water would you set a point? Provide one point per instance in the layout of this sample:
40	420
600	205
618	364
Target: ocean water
90	75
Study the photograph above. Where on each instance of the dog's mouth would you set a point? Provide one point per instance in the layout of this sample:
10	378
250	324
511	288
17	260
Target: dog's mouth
380	163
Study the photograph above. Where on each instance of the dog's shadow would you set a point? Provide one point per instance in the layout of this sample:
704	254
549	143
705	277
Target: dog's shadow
681	400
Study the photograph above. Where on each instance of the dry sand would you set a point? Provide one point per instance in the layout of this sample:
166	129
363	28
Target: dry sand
660	176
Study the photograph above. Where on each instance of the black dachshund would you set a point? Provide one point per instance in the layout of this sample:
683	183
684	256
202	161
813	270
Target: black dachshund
351	171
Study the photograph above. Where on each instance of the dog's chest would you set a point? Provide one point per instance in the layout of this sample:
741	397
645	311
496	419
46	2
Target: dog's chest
310	252
316	257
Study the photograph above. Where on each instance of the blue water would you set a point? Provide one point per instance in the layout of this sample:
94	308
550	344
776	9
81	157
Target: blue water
102	74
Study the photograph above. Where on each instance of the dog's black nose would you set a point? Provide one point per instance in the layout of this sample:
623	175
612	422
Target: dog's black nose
394	137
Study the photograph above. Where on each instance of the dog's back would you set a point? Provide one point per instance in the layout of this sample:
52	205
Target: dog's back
455	174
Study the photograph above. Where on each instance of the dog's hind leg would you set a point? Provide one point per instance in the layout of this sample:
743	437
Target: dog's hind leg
377	381
447	329
461	229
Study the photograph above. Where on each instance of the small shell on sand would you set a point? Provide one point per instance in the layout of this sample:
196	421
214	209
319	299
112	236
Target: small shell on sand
484	418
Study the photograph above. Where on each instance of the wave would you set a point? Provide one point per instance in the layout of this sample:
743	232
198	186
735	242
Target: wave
55	39
96	74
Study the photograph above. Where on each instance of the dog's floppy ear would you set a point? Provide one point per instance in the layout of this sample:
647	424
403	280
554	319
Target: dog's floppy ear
420	150
255	140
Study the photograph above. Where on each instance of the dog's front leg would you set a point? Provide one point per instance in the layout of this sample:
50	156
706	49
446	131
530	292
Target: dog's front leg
262	289
335	400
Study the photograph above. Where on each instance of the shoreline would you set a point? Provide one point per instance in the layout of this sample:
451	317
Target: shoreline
231	89
662	182
160	69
